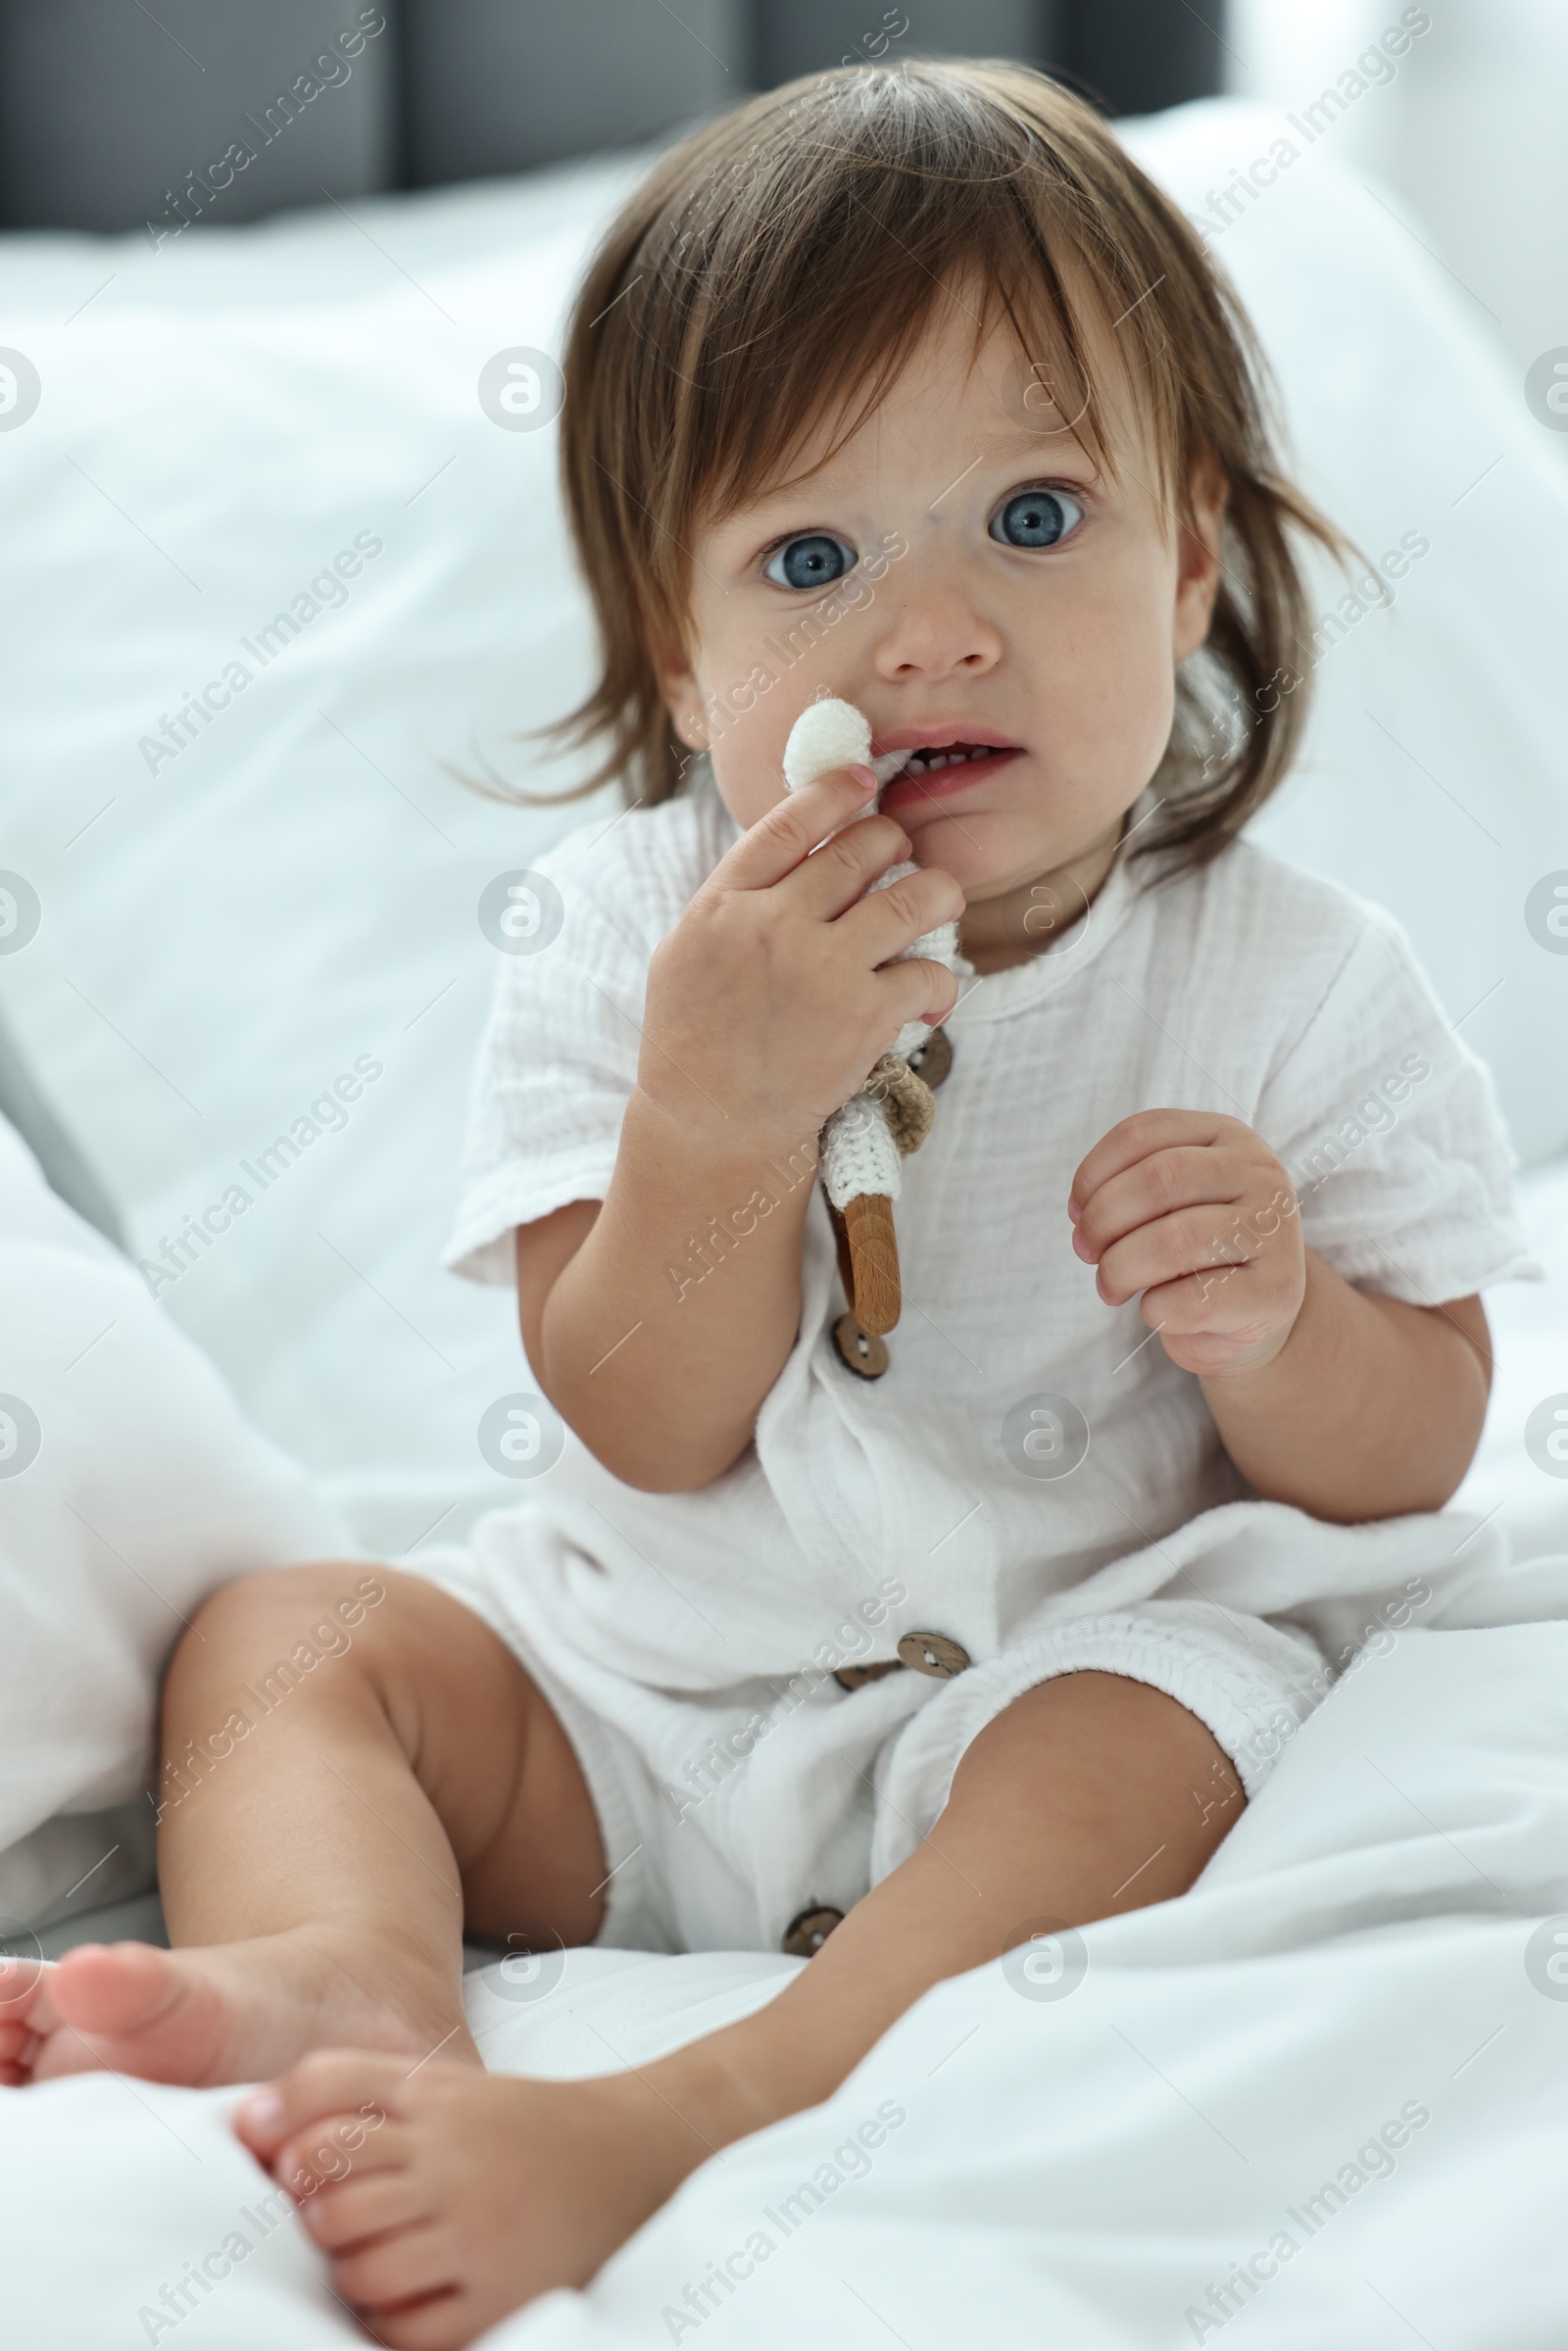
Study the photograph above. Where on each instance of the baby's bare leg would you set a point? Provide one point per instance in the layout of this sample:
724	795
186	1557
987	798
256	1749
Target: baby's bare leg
449	2199
326	1828
1088	1796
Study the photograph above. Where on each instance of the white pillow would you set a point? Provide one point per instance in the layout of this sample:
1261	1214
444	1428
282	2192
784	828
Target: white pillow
1434	778
297	892
131	1486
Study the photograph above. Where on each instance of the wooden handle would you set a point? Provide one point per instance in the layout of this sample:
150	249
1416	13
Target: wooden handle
873	1260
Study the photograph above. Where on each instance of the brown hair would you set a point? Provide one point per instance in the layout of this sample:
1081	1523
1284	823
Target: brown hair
805	240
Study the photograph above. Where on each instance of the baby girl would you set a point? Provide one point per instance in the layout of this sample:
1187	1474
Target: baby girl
904	387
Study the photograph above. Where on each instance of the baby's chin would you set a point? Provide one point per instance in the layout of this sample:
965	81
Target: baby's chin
988	853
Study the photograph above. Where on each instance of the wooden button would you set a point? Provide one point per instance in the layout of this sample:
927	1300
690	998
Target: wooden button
933	1653
808	1930
860	1350
934	1058
856	1677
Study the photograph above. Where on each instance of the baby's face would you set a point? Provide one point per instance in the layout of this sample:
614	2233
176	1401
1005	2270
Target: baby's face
964	573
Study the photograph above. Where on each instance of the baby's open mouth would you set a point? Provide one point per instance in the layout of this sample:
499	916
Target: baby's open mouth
911	774
921	763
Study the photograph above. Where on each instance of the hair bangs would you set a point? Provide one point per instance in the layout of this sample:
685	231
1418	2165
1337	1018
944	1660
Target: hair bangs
796	351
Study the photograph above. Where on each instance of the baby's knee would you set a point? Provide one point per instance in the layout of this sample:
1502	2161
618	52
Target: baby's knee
286	1621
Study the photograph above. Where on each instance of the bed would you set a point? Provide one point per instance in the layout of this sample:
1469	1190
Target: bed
235	894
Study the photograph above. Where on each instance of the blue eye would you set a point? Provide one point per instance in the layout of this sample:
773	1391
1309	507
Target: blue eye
1036	518
812	561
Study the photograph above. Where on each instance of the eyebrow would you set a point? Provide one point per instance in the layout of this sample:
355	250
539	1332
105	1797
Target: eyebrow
1024	443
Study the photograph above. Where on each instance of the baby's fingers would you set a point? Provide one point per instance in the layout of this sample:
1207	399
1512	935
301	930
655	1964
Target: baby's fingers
918	989
1194	1240
1146	1133
1187	1176
796	823
833	877
1211	1244
882	925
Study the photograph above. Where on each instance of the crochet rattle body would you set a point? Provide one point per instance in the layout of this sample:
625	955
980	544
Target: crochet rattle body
864	1143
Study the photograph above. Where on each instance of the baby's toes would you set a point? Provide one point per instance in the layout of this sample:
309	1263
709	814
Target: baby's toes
330	2085
21	1977
444	2322
406	2267
318	2163
27	2006
18	2042
349	2212
22	2031
16	2069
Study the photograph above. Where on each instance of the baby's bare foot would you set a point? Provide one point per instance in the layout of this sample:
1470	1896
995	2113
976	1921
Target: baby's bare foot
447	2198
225	2012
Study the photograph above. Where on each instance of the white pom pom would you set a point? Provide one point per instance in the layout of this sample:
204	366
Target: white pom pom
834	734
826	734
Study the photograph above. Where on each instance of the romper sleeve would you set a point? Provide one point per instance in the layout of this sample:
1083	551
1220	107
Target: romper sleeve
1391	1132
559	1057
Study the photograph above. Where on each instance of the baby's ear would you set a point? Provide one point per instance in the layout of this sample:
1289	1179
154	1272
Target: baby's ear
1197	554
1209	495
682	698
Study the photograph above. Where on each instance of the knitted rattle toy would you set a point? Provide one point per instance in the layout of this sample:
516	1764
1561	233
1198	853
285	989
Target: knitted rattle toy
864	1144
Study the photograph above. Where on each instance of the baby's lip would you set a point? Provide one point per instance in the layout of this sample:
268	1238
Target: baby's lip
941	735
930	772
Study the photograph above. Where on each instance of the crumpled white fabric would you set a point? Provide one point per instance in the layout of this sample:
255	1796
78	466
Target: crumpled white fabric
131	1485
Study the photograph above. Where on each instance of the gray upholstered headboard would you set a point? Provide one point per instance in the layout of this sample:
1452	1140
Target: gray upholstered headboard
114	114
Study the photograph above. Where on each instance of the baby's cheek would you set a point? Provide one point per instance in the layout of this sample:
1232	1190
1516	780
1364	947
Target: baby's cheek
749	769
1129	673
1150	711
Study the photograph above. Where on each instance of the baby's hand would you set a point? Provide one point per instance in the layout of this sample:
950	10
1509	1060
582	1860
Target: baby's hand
775	993
1197	1214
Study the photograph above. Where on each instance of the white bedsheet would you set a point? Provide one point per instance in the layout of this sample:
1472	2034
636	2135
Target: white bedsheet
1367	1949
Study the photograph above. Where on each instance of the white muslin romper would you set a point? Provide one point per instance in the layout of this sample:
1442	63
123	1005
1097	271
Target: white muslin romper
1032	1483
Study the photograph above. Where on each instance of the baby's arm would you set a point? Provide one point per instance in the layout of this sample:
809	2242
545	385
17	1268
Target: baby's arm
1347	1405
766	1006
1371	1408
